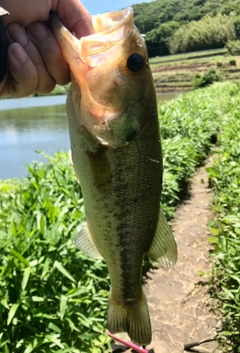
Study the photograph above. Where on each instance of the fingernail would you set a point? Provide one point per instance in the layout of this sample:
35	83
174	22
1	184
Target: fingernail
17	34
38	31
18	52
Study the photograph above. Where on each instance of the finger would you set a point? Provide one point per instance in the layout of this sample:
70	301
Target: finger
22	77
50	51
25	12
18	34
75	17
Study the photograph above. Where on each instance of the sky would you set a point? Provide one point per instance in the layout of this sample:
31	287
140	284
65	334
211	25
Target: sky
99	6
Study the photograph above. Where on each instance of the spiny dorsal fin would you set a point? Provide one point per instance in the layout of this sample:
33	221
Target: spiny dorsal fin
163	248
84	243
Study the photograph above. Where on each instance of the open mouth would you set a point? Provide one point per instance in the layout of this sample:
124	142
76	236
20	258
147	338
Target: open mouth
111	28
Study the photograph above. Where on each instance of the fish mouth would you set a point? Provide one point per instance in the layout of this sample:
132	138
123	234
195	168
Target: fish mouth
103	87
110	29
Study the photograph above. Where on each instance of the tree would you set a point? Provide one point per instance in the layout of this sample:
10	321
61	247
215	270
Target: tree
157	39
208	33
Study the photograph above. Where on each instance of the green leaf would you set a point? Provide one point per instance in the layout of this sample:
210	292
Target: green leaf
13	230
45	268
61	269
12	312
95	350
29	348
55	339
63	305
19	257
35	298
4	303
25	279
41	223
214	231
212	240
54	327
6	349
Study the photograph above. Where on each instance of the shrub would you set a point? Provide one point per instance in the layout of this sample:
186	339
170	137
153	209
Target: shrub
219	64
207	78
232	62
233	47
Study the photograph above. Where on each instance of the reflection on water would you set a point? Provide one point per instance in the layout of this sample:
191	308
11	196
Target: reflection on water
22	131
31	102
30	124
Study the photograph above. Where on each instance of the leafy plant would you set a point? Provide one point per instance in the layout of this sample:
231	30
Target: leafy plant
224	176
208	33
210	76
233	47
52	297
233	62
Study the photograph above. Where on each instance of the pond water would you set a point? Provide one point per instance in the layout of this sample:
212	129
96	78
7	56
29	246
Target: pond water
27	125
31	124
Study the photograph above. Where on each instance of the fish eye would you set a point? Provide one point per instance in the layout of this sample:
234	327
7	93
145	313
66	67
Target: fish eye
135	62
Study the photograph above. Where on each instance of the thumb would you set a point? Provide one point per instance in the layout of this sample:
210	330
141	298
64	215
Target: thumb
75	17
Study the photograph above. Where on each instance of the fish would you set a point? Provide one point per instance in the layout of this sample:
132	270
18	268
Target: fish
116	152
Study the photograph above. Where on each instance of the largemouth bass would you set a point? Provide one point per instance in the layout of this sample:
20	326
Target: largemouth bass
116	152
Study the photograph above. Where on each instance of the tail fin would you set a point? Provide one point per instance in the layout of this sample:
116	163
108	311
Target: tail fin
130	317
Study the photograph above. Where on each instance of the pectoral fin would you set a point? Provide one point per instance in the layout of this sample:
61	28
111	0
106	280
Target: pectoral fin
84	243
163	248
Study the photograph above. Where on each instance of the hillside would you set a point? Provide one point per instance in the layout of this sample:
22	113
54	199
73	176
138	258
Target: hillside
177	73
160	19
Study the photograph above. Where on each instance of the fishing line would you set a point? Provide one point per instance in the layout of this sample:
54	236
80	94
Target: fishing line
126	345
188	347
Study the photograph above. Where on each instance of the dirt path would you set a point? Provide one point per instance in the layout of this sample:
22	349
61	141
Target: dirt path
178	304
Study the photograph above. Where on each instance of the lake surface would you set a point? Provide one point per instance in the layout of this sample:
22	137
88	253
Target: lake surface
41	125
30	124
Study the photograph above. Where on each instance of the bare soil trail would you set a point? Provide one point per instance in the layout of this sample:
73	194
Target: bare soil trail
178	298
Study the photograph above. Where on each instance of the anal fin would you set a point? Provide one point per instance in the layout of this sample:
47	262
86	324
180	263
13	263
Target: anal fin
163	248
85	243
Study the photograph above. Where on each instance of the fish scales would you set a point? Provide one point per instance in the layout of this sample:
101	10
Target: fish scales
116	152
119	221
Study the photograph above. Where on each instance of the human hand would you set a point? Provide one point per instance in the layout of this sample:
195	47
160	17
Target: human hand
35	60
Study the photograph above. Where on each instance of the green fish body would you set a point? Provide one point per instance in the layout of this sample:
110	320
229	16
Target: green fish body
116	152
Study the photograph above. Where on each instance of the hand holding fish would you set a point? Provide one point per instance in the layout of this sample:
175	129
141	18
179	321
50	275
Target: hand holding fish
35	61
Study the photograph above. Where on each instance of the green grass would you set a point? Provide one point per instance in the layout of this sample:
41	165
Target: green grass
177	72
219	105
177	59
224	175
52	297
187	56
